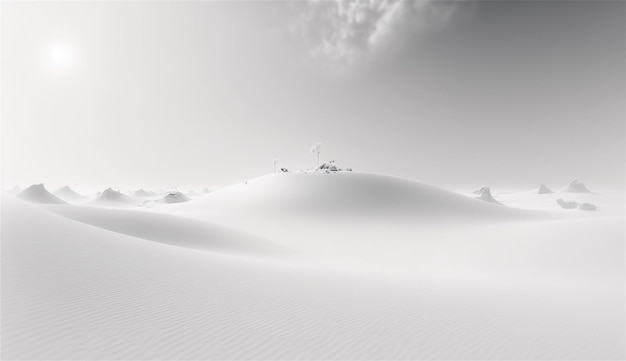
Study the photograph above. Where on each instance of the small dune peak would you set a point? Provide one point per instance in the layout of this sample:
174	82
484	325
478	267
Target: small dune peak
111	193
69	195
112	197
576	187
543	189
175	197
37	193
143	193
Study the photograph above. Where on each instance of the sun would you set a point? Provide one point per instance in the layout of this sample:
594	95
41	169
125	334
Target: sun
59	57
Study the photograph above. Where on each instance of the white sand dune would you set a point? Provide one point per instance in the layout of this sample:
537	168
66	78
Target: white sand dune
74	291
365	220
347	216
69	195
543	189
37	193
174	197
344	196
144	193
113	198
576	187
169	198
169	229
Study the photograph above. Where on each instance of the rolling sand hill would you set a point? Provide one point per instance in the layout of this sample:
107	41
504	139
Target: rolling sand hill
317	266
168	229
348	195
368	220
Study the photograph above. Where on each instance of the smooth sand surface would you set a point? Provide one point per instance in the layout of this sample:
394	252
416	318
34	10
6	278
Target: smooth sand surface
316	267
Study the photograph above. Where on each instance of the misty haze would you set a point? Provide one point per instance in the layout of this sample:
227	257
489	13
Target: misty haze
313	180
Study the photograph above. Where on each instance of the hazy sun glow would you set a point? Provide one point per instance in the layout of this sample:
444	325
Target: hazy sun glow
59	57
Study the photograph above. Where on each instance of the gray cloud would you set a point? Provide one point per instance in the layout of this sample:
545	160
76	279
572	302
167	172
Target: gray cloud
345	34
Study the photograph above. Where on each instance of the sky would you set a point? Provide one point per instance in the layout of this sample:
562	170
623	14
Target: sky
195	94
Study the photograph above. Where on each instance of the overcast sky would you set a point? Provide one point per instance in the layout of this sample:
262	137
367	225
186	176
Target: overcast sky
456	94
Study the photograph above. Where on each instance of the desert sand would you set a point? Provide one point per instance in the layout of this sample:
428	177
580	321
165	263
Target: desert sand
344	265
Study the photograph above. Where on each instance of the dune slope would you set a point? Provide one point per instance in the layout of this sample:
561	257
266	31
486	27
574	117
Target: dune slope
168	229
73	291
37	193
348	195
69	195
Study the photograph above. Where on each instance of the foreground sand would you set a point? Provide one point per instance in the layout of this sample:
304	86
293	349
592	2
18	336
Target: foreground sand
271	269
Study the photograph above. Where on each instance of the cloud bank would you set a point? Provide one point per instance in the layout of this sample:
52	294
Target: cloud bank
345	34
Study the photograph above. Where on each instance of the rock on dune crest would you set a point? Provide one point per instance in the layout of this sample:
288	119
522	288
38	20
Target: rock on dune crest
566	204
485	195
587	207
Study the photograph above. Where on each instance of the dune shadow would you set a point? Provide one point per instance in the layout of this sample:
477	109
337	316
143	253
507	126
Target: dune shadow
170	229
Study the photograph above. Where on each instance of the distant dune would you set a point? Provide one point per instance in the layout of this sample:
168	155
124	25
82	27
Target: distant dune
543	189
113	198
69	195
174	197
144	193
37	193
576	187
